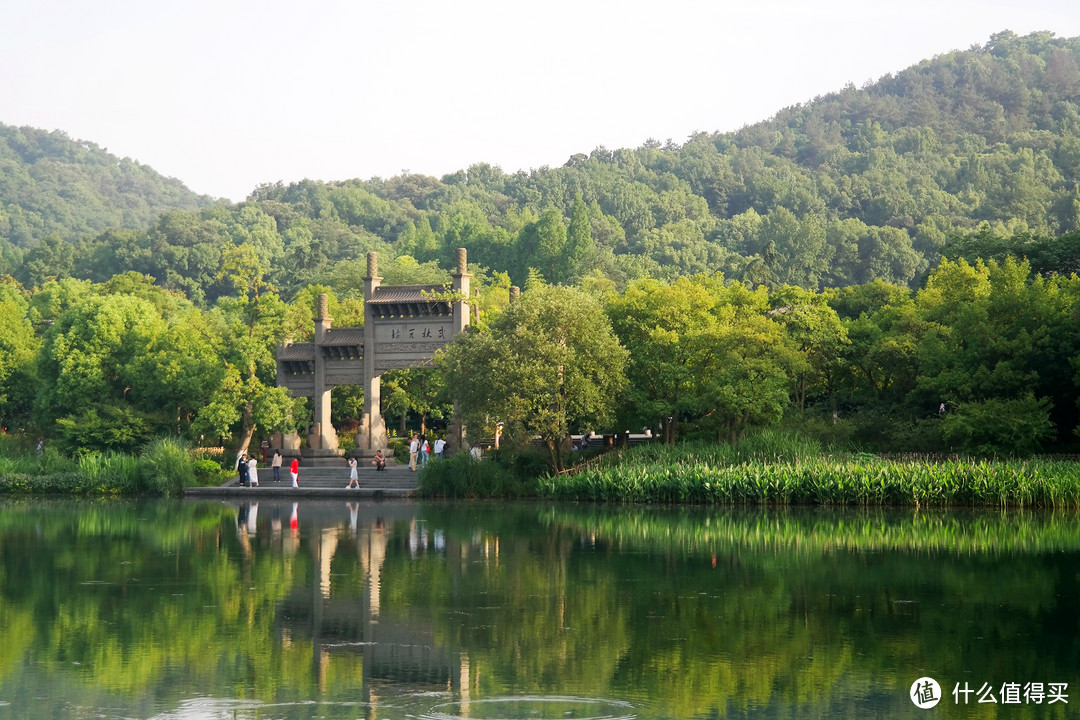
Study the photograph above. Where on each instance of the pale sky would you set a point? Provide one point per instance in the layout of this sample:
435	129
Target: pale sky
228	94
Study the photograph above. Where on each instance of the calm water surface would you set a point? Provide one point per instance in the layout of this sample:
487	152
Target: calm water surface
185	610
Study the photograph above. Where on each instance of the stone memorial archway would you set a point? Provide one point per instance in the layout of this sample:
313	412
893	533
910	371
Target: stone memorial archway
403	328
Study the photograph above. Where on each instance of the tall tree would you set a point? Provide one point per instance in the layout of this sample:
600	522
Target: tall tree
664	328
702	352
548	363
246	329
579	247
18	348
820	337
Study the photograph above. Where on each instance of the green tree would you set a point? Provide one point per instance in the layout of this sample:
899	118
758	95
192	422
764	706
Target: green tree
50	258
542	245
1000	426
579	248
245	330
880	364
801	243
420	391
667	330
89	355
548	363
419	240
18	349
704	352
820	337
754	363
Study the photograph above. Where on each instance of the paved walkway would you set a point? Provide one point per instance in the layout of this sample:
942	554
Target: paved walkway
395	481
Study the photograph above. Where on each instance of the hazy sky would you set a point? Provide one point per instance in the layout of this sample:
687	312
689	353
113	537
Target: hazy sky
228	94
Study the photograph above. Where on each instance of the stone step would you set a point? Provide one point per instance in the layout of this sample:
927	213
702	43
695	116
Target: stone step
319	477
399	482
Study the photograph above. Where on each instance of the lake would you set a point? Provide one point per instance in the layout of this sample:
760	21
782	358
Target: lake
184	610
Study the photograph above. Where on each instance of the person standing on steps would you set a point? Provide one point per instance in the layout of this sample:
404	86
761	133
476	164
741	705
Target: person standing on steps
276	464
253	472
440	446
414	447
425	451
241	470
294	470
353	480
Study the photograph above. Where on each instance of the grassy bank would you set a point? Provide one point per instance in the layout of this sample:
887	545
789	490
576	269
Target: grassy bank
772	469
164	467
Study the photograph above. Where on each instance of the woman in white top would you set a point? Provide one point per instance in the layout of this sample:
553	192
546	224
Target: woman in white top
253	473
353	481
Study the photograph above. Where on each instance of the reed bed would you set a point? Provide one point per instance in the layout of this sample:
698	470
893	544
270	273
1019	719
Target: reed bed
696	474
164	467
804	531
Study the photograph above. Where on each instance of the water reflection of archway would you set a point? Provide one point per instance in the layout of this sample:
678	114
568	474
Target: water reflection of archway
392	651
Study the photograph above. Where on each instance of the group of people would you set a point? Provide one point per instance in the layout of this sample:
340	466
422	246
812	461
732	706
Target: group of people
419	448
247	470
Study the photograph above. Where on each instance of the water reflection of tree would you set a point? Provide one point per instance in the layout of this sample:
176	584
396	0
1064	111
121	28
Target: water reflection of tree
700	613
747	611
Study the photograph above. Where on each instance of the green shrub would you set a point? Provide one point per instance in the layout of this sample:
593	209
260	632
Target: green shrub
118	429
1016	427
18	465
65	483
838	434
14	446
460	476
922	433
165	467
209	472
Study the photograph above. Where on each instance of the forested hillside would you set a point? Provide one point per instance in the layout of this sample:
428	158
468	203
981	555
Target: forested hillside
863	184
51	184
821	267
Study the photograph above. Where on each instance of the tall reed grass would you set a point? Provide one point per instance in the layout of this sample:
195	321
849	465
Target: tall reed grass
109	472
164	467
772	470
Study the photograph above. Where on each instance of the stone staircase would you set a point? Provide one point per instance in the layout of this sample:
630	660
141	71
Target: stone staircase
395	481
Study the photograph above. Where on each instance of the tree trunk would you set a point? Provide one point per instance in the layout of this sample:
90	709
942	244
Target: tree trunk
669	431
245	439
554	448
249	429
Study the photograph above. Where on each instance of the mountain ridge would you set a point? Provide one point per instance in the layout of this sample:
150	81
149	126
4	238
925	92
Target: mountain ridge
51	183
858	185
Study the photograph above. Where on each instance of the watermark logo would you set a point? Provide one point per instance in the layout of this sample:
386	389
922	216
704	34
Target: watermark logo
925	693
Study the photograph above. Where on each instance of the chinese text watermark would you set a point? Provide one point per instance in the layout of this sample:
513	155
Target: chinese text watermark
926	693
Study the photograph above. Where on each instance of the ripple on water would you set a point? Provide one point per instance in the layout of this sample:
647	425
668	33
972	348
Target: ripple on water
532	707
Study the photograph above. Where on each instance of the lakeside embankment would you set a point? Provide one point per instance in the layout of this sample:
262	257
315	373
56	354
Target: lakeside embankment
766	468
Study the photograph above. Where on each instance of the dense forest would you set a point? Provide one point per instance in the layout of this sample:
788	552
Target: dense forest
863	184
53	185
869	208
